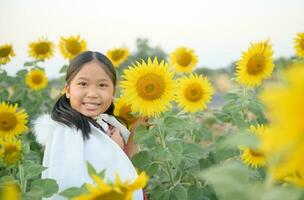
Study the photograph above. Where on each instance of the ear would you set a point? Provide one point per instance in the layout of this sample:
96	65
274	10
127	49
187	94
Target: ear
67	91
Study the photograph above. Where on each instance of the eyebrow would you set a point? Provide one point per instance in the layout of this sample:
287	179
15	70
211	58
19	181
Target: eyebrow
102	79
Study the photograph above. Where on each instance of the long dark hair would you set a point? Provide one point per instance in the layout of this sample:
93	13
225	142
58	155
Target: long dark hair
63	112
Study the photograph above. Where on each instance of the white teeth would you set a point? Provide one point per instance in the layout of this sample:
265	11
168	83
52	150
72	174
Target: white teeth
91	105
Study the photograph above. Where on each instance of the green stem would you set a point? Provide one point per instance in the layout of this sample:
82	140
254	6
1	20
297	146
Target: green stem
23	181
163	143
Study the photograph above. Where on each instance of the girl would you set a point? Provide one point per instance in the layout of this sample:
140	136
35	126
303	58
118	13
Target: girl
82	127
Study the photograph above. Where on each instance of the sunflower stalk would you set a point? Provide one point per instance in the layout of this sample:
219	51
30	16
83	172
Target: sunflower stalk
22	179
163	143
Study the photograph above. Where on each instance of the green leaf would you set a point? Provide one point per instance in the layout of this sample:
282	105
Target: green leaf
143	162
91	169
29	64
34	194
207	135
230	181
32	170
48	186
196	193
159	192
63	69
175	153
193	152
73	192
178	192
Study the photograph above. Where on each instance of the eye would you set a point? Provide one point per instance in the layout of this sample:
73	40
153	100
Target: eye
82	83
103	85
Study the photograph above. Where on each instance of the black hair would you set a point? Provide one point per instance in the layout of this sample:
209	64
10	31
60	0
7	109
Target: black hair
63	112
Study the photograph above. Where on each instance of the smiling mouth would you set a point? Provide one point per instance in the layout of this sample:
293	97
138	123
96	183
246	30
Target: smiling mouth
91	106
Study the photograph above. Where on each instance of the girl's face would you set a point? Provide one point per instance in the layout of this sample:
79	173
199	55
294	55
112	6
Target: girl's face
91	91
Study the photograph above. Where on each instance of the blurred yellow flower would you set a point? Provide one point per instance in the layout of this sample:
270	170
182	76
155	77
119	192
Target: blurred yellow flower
123	111
118	56
118	191
72	46
12	122
193	93
42	49
284	144
148	87
10	191
254	158
255	65
36	79
183	59
10	150
296	178
6	53
299	45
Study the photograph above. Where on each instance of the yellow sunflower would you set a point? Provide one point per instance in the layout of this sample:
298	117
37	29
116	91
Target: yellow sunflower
123	110
72	46
183	59
118	56
117	191
148	87
36	79
42	49
10	150
12	122
284	144
6	52
254	158
193	93
299	45
255	65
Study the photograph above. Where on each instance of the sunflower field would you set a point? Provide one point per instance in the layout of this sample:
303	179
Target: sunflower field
235	133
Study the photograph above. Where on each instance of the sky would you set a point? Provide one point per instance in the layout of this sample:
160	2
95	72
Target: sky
218	30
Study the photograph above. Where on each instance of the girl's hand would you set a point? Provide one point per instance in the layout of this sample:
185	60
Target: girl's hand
114	134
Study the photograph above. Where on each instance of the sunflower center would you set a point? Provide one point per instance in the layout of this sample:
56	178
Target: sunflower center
193	92
117	55
42	48
150	86
73	47
256	64
125	113
36	79
8	121
184	59
4	52
10	149
256	153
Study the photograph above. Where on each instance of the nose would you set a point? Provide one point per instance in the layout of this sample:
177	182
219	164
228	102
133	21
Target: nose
92	92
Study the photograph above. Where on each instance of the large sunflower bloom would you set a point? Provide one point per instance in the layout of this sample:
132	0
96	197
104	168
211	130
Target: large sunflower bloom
6	52
255	65
194	92
117	191
254	158
12	122
123	111
148	87
10	150
284	144
72	46
183	59
118	56
36	79
42	49
299	44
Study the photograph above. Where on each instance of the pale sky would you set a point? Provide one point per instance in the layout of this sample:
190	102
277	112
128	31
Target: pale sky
218	30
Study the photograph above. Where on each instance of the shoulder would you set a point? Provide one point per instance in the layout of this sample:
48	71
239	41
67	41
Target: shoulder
43	128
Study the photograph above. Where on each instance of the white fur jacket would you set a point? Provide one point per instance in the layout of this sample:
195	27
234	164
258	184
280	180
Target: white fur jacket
66	153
